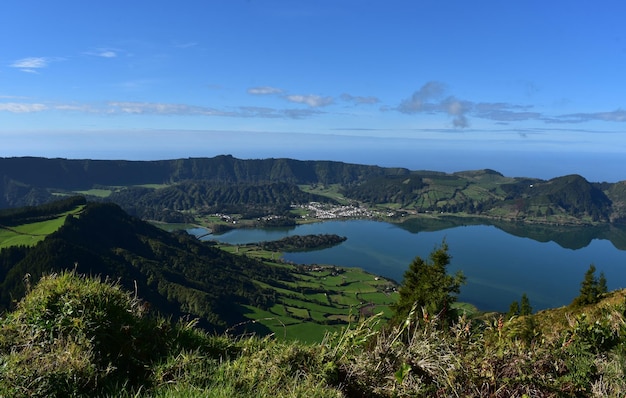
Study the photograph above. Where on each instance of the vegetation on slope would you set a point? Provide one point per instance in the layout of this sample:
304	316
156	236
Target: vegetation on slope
175	272
208	197
302	242
174	190
181	276
77	336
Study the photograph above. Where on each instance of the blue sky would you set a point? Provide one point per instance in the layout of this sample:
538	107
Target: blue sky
534	88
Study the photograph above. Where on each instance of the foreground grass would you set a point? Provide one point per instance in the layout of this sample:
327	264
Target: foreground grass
77	336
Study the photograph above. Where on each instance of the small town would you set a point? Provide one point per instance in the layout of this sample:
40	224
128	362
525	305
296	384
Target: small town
326	211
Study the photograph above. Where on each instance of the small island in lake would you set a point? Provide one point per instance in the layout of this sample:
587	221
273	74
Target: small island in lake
303	242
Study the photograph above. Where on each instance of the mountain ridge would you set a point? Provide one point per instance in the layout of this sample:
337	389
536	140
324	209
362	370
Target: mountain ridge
146	188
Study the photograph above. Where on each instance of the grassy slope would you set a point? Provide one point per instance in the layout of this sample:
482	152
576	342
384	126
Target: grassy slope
76	336
29	234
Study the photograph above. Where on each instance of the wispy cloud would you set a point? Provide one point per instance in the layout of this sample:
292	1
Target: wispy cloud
156	108
618	115
265	90
358	99
262	112
186	44
20	107
153	108
105	53
31	64
504	112
165	109
314	101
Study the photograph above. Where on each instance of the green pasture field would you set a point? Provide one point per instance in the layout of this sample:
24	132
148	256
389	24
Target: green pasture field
330	191
307	317
29	234
105	192
152	186
9	238
97	192
288	328
298	315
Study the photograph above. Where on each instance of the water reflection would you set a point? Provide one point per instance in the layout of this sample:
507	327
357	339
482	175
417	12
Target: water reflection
568	237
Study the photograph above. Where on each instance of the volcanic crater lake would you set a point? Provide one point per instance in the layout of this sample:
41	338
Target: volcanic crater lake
499	266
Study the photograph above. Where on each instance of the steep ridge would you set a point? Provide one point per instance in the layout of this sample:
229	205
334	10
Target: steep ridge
174	272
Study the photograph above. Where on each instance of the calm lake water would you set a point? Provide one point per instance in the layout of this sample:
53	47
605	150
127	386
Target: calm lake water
499	266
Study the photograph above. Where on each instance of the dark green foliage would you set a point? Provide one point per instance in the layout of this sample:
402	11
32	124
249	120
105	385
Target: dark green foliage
428	287
29	173
17	194
591	288
388	189
31	181
571	194
175	273
303	242
514	310
211	197
525	308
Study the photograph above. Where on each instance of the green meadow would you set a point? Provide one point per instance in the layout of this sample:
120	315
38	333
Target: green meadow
319	300
30	233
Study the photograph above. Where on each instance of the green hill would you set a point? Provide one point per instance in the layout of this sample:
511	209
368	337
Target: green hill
176	273
178	190
182	276
78	336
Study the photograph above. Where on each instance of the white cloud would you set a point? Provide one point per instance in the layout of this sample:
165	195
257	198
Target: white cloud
31	63
313	101
17	107
107	54
264	90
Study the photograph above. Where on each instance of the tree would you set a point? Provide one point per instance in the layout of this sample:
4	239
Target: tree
525	308
602	288
427	286
514	310
591	288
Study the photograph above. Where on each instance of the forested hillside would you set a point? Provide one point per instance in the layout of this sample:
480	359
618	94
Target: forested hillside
175	272
208	197
74	174
172	190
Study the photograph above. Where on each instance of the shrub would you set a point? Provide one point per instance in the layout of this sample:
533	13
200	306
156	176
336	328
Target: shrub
72	334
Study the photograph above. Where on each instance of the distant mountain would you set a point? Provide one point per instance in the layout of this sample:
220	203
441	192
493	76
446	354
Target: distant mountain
83	174
174	272
168	190
213	197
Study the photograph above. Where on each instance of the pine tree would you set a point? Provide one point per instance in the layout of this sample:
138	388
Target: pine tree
591	288
602	287
427	286
525	308
514	310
